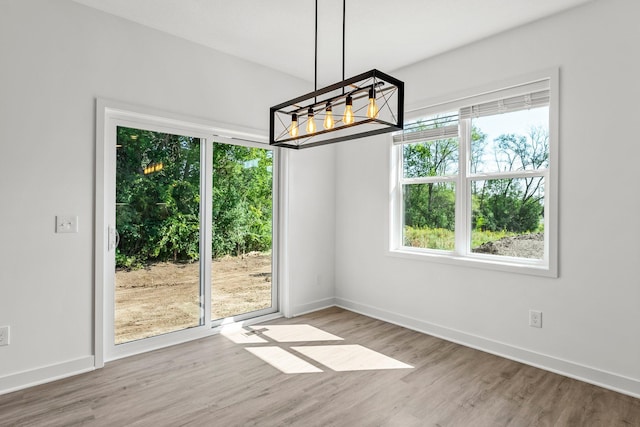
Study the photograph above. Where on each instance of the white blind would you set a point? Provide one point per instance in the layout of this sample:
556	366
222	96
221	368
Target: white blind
445	125
441	126
506	105
425	135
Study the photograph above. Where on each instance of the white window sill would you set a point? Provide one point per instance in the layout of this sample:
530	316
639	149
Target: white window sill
488	262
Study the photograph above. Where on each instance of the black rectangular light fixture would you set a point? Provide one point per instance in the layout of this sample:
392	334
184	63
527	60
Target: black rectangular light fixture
368	104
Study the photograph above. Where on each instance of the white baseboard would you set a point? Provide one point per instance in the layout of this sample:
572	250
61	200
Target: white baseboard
310	307
45	374
609	380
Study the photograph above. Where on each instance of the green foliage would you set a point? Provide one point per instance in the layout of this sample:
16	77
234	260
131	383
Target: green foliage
443	239
128	262
158	213
429	238
502	204
430	205
153	208
242	203
179	238
500	207
521	152
431	158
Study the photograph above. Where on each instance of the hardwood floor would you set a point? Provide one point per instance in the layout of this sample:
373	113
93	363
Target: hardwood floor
217	382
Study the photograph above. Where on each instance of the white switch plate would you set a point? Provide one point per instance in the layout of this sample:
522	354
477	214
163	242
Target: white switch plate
66	223
4	335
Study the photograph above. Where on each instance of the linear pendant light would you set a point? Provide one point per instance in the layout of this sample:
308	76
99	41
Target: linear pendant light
368	104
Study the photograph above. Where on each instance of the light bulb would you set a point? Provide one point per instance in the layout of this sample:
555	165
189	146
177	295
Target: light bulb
372	110
348	118
311	124
293	130
328	118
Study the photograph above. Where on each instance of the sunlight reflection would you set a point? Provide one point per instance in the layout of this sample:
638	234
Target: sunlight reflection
283	360
350	358
239	335
296	333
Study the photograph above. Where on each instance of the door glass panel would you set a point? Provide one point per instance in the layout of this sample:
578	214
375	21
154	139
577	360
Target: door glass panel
242	230
157	277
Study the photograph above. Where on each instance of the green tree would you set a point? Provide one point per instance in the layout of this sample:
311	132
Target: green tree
503	208
242	199
514	204
432	204
157	196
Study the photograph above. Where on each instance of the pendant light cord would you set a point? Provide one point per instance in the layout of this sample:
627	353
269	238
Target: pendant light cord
344	13
315	67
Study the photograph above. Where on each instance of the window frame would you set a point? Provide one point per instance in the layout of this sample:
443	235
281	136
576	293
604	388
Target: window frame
462	254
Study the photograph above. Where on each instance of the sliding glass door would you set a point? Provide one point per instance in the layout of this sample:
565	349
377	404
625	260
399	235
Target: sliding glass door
242	231
157	266
189	232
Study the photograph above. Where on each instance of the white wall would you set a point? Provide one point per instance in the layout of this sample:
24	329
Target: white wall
56	57
311	227
592	311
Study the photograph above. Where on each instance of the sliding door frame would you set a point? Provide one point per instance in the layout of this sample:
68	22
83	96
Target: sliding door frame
274	233
109	115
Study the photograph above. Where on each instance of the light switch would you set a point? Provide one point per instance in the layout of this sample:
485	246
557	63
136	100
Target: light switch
66	223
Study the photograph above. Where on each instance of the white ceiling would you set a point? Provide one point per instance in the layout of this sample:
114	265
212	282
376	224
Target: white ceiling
382	34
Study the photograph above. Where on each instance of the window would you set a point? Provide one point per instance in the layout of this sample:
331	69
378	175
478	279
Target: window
474	180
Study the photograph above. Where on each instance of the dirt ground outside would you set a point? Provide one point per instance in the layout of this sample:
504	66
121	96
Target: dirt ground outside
165	297
524	246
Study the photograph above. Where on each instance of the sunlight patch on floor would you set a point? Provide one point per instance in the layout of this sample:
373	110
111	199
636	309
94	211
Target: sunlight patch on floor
350	358
283	360
295	333
338	357
240	335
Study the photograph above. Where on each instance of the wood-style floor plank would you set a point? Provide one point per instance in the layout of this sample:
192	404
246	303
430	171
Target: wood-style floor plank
216	382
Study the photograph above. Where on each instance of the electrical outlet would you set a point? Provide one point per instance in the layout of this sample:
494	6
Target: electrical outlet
535	318
4	335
